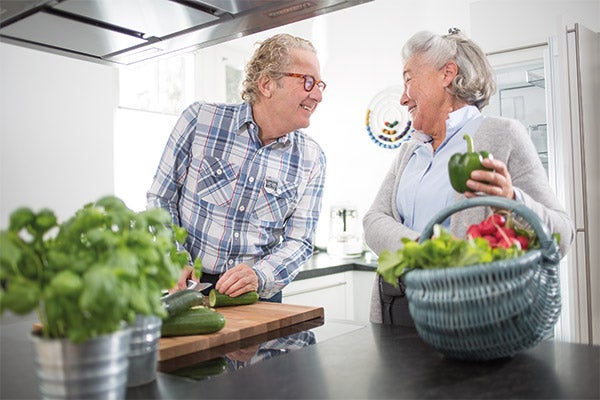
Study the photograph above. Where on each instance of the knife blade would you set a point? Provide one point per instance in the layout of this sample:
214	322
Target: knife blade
191	285
199	286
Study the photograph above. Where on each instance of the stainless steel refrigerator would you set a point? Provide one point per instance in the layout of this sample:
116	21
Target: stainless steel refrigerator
553	88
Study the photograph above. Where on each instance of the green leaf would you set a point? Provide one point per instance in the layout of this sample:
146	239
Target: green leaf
21	297
387	266
20	218
125	261
112	203
197	268
138	299
66	283
44	220
100	290
157	217
9	256
441	251
180	233
101	237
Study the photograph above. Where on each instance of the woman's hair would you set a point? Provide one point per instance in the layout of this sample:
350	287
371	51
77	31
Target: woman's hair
475	82
272	56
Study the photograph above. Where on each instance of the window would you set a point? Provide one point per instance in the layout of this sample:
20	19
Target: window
163	86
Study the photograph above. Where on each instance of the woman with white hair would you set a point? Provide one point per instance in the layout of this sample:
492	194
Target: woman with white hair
447	81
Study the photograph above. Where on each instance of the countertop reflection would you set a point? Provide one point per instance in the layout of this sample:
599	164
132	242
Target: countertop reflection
242	358
233	356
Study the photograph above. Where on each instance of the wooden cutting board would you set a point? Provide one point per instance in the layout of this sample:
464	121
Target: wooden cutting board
241	322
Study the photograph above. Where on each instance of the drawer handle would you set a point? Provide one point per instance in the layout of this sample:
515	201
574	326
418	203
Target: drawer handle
313	289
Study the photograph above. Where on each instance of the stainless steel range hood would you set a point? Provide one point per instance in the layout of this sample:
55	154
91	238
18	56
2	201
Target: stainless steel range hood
129	31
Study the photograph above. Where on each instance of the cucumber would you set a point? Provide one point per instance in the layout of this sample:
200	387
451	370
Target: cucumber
216	299
195	321
203	370
177	302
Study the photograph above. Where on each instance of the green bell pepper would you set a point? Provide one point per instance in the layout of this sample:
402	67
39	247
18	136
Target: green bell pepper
461	165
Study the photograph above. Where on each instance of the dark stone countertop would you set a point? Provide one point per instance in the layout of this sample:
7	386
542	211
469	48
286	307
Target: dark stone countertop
372	362
391	362
323	263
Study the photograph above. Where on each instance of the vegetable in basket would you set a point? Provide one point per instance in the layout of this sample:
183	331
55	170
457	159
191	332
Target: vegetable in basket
441	251
503	231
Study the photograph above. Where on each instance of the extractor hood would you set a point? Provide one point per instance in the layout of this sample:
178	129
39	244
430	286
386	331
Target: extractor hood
129	31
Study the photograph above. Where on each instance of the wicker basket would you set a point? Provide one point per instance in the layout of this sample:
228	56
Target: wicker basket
492	310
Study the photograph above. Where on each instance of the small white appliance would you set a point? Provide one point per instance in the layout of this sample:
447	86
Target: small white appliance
344	233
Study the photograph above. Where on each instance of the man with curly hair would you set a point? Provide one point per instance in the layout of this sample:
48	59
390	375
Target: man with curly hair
244	180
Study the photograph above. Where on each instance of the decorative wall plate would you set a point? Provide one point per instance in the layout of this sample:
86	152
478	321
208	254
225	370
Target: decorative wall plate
388	122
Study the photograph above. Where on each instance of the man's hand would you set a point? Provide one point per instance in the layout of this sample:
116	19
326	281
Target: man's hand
186	273
238	280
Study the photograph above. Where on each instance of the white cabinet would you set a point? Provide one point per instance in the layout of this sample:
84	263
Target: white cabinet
344	295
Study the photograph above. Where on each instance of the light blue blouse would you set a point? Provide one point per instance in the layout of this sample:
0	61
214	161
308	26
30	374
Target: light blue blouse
424	187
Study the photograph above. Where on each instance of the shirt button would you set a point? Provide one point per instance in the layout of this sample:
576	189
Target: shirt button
219	171
230	262
242	208
251	179
236	235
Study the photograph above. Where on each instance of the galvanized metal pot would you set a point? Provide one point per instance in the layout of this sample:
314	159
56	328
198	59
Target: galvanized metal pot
94	369
143	352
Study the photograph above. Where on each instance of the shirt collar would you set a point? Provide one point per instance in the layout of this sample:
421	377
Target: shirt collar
245	117
457	119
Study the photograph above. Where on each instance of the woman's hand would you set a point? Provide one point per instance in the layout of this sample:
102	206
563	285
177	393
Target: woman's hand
495	183
237	280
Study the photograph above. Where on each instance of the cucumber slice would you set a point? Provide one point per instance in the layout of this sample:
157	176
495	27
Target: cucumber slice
216	299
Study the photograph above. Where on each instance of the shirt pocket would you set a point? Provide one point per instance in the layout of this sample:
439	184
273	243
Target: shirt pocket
275	201
216	180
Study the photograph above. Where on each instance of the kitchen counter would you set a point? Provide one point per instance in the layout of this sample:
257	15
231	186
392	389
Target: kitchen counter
366	361
371	362
322	263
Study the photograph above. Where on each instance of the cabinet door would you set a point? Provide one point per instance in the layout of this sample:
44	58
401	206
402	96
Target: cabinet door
359	302
329	292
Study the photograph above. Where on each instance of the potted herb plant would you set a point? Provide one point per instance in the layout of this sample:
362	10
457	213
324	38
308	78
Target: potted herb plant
88	279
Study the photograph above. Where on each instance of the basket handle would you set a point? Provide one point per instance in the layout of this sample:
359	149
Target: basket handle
550	249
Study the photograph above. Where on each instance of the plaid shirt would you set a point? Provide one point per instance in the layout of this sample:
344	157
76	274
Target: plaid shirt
273	348
240	201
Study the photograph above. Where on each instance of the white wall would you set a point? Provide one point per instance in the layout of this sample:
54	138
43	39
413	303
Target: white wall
504	24
56	125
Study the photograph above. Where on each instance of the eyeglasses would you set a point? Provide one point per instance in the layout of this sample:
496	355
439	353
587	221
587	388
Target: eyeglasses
309	81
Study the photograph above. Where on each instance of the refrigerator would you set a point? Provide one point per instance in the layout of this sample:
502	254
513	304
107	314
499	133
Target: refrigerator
574	105
553	88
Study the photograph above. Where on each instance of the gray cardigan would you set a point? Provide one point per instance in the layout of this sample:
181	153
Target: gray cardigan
507	140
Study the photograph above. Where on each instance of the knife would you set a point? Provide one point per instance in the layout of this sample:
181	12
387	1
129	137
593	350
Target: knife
191	285
199	286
